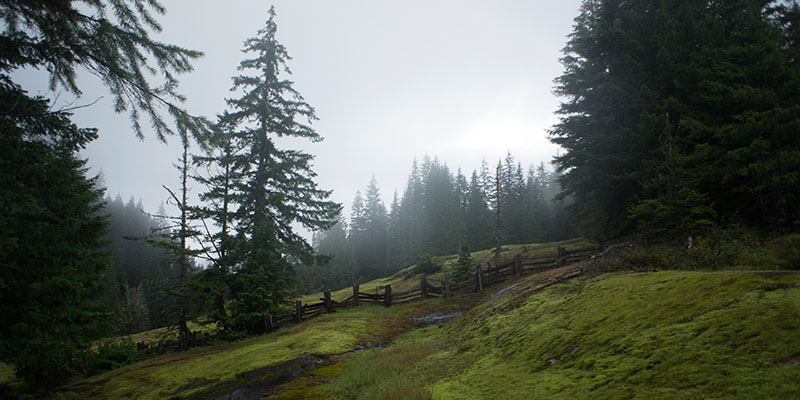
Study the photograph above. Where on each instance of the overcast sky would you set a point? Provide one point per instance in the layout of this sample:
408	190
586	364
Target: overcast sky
390	81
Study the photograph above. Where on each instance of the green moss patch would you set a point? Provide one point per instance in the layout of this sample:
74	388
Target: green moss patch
662	335
186	374
677	334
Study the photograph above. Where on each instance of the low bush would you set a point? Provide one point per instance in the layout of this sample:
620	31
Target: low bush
428	266
787	250
111	355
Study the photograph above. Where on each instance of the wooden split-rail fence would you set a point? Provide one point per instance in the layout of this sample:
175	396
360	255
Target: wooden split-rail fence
484	276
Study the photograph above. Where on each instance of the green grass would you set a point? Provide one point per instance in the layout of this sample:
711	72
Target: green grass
724	335
7	376
391	373
408	278
160	334
189	372
669	334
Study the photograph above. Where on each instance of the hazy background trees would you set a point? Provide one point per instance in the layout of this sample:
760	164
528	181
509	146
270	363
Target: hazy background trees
439	213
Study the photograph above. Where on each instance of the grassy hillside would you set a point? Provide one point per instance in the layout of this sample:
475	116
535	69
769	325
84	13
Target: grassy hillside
623	335
408	277
253	364
669	334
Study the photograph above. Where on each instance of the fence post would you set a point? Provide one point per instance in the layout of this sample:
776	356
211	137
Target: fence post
479	276
446	286
327	295
561	256
517	265
387	296
423	284
298	311
268	324
355	295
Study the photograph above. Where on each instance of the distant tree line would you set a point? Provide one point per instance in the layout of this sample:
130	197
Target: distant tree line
438	213
141	276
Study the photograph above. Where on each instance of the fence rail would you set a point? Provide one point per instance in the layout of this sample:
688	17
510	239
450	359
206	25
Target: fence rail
484	275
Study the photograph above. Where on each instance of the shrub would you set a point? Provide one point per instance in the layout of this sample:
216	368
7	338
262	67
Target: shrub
463	267
651	257
427	266
788	251
111	355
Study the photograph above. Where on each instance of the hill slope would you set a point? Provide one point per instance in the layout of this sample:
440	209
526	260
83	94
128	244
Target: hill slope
624	335
671	334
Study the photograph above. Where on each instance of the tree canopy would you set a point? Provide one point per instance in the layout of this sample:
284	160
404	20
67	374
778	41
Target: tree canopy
111	40
680	115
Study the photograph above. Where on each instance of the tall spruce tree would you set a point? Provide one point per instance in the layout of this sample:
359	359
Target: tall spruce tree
278	188
110	40
442	228
176	242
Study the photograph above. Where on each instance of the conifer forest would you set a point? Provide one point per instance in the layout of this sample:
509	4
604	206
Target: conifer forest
402	145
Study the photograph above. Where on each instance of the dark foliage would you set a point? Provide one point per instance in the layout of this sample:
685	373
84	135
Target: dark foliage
426	265
50	241
111	40
274	188
463	269
680	115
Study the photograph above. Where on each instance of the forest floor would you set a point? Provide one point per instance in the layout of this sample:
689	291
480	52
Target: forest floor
666	334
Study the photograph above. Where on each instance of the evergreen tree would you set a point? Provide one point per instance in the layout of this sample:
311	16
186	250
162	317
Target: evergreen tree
278	186
50	241
463	267
498	206
408	230
373	252
478	222
176	244
111	39
679	115
538	215
462	189
52	218
220	200
442	228
394	246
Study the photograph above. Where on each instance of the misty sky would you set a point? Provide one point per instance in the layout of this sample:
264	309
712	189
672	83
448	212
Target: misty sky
390	81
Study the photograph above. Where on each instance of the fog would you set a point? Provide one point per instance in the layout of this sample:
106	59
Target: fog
390	81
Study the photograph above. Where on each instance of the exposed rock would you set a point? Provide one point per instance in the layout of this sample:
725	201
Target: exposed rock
502	292
436	318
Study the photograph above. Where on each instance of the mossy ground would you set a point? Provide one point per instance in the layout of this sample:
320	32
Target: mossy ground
644	335
670	334
189	373
170	333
